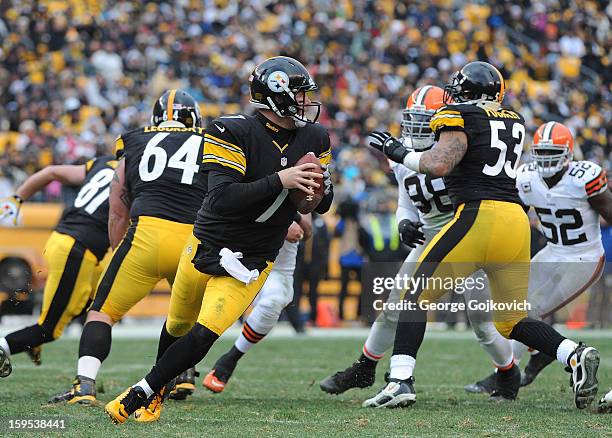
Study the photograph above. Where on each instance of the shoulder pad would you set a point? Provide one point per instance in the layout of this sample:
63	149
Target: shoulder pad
588	178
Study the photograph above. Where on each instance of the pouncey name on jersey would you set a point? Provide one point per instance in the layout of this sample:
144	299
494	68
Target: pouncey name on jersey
250	149
568	221
87	218
427	194
495	137
162	171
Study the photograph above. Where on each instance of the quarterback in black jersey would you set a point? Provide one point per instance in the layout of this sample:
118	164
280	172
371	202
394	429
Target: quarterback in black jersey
72	253
249	162
478	146
155	193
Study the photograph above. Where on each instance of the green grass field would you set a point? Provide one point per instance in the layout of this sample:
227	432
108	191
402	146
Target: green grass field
275	392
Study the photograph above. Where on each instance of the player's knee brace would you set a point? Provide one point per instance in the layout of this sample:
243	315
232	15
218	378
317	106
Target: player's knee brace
272	307
178	328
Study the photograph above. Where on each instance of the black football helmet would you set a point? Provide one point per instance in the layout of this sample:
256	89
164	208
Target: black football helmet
475	81
179	106
275	84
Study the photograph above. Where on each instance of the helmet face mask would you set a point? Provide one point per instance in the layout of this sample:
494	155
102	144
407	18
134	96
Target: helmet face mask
281	84
550	158
415	126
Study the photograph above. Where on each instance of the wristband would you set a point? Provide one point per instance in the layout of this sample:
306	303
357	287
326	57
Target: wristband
412	160
297	218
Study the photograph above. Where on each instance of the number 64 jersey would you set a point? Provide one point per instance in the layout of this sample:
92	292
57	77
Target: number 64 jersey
568	221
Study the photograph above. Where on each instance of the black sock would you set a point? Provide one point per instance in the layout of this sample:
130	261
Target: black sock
410	332
366	361
27	337
96	340
185	353
537	335
165	341
234	354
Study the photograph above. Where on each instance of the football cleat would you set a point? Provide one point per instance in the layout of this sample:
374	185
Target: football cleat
34	354
83	392
5	363
185	385
507	384
396	394
223	369
484	386
537	362
151	411
358	375
583	363
605	404
128	402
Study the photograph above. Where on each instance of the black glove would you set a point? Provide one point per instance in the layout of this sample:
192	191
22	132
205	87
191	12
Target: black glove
388	145
410	233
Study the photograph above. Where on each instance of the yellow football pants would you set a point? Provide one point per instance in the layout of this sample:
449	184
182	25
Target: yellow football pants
73	272
489	235
149	252
216	302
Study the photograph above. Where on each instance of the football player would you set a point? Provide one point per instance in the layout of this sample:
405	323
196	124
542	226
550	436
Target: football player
155	194
275	295
569	197
478	146
249	161
423	201
72	253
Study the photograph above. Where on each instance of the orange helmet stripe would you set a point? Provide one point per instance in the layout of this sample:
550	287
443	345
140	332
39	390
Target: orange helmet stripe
420	97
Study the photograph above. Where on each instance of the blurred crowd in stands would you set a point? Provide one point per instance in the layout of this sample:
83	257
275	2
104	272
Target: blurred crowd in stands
76	73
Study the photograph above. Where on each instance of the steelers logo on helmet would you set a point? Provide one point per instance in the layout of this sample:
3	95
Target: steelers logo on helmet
278	81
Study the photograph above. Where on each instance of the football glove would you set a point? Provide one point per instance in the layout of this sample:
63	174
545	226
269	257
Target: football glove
326	179
393	148
410	233
9	209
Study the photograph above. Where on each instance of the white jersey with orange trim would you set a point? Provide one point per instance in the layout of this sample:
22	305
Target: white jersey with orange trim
568	221
422	198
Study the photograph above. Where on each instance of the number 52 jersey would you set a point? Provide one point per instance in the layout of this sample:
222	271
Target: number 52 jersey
568	221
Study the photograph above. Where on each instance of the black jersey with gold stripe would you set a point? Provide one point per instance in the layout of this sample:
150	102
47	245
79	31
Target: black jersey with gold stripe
495	137
87	218
163	171
250	149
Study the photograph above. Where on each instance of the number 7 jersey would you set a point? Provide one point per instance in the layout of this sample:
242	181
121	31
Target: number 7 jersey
162	171
568	221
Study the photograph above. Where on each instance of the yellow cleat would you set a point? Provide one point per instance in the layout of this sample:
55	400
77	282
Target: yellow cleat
83	392
128	402
152	411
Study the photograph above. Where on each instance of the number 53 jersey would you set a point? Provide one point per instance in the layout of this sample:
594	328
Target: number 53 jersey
162	171
568	221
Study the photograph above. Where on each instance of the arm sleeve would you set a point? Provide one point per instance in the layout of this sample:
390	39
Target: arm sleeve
222	151
227	195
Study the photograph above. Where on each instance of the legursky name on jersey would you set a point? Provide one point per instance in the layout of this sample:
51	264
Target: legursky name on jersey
567	219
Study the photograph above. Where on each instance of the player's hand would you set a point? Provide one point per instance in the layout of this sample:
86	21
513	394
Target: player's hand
327	182
300	177
393	148
410	233
9	209
294	233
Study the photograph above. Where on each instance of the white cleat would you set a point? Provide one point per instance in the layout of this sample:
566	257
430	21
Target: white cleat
605	404
5	363
396	394
584	363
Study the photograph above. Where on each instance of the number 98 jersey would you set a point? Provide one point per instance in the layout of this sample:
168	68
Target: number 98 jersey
87	218
427	194
495	137
162	171
568	221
